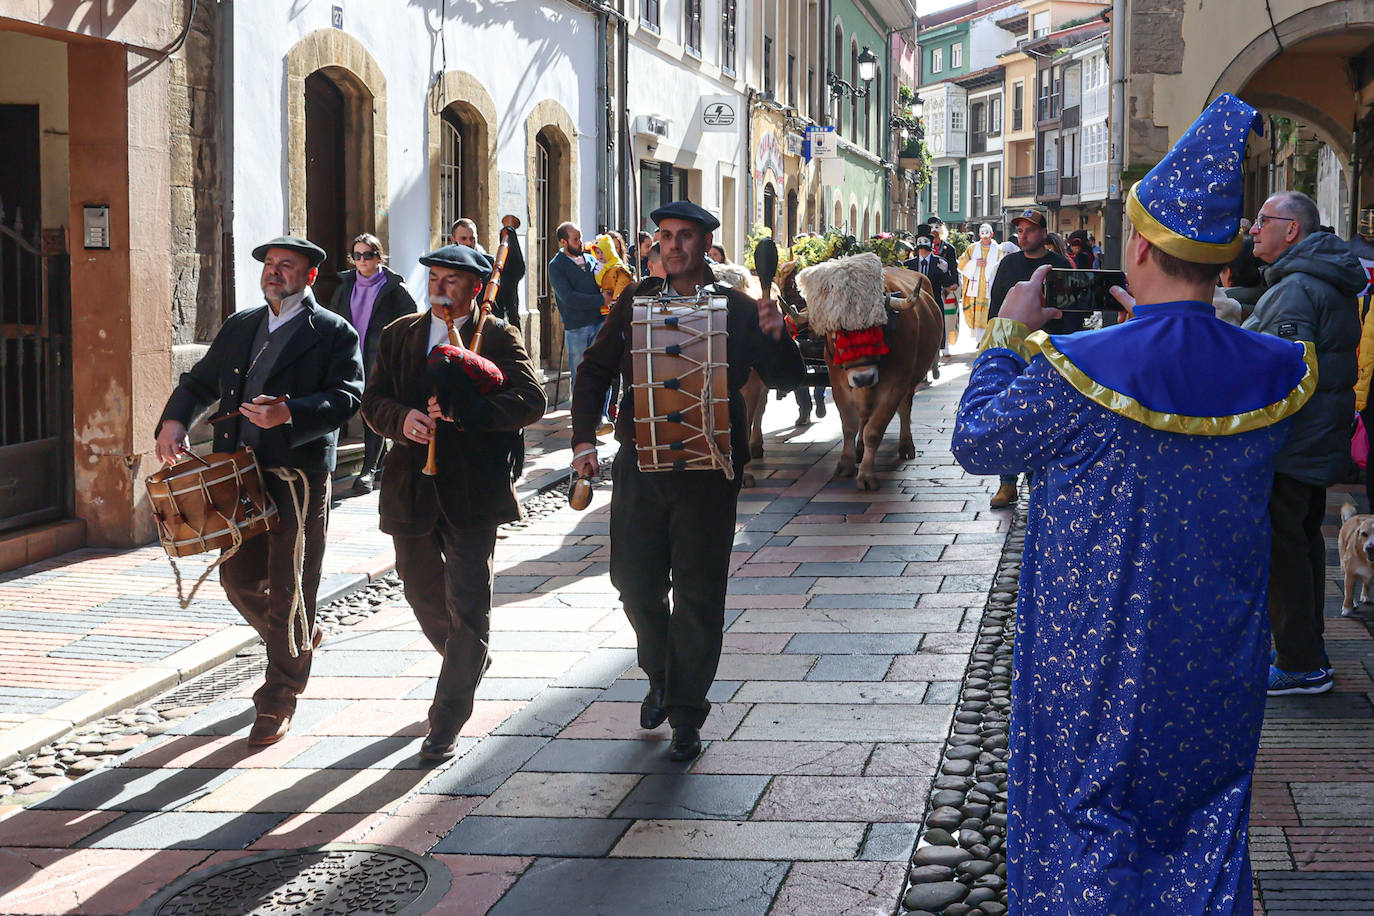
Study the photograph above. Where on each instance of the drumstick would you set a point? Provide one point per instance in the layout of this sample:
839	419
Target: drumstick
234	413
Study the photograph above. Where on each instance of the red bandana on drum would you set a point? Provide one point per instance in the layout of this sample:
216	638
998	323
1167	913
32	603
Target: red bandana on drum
854	345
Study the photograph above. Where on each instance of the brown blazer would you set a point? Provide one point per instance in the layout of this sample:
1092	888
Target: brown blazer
474	485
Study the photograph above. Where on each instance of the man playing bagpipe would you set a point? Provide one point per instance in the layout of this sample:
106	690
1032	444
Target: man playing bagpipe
472	406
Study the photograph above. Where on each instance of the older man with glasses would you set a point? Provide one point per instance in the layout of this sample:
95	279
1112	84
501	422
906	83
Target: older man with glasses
1312	280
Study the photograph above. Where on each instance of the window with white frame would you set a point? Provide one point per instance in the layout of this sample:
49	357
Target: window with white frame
954	200
727	35
1040	25
956	117
648	14
691	15
995	119
937	60
976	191
956	55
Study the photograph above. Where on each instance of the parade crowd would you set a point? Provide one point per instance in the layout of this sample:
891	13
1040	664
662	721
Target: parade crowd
1177	464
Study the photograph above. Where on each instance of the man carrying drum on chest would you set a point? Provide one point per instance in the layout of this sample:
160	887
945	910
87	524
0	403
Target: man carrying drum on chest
291	370
444	525
674	529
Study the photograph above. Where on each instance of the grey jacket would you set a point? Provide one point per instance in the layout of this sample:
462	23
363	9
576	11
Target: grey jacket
1310	296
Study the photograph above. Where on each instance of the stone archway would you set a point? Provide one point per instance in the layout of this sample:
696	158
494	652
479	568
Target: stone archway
459	97
551	187
359	80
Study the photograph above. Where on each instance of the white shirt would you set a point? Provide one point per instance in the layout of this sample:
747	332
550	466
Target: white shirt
290	308
438	329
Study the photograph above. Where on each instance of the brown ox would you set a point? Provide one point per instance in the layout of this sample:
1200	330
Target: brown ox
847	301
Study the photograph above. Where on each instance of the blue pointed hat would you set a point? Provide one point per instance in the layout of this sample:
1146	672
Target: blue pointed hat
1189	204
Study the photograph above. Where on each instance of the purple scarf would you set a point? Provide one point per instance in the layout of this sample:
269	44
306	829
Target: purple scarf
360	303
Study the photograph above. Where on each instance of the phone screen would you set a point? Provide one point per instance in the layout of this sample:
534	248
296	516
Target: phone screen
1083	290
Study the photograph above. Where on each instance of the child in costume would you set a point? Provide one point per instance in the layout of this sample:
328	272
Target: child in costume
611	273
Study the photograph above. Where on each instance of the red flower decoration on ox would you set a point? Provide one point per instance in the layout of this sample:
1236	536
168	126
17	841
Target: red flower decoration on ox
851	346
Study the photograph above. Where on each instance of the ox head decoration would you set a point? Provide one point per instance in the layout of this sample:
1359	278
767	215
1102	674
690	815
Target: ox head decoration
846	303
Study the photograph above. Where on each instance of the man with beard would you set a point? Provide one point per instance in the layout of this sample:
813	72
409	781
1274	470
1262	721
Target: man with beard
673	530
292	371
444	526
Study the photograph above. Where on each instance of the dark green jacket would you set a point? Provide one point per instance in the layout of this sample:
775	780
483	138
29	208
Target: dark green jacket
1310	296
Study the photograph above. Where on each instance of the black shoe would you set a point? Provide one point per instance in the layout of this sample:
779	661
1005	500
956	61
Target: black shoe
364	483
820	405
651	711
438	746
686	744
803	419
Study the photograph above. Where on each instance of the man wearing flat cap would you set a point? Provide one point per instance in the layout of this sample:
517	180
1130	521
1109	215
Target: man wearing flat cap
444	526
290	369
673	530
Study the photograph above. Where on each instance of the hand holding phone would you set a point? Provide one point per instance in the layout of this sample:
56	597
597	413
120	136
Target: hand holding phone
1072	290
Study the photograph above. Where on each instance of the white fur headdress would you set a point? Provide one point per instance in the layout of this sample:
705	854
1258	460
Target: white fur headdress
735	276
844	294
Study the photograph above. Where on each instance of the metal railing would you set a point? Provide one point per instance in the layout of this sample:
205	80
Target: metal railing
1068	185
1049	184
1022	186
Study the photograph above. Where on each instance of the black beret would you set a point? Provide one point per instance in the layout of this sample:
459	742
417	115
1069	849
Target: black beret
460	257
292	243
686	210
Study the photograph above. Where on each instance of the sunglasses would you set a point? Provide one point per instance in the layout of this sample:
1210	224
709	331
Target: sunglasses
365	256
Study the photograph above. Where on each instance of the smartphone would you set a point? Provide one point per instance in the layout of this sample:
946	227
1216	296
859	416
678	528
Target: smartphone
1083	290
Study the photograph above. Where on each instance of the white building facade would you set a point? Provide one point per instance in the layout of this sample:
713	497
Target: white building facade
686	110
341	126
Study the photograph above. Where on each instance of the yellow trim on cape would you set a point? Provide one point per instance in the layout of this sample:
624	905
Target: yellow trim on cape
1006	334
1170	242
1132	409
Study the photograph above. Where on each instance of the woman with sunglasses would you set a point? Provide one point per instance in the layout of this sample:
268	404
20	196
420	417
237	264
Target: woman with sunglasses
370	297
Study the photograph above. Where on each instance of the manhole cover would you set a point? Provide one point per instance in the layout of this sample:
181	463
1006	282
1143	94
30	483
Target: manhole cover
339	879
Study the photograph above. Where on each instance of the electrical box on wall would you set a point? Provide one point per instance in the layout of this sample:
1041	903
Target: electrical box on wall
95	226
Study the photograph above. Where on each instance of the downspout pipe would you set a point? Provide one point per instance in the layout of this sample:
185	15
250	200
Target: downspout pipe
1111	253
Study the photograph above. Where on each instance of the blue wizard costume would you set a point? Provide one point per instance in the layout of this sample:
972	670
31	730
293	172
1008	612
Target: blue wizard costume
1142	640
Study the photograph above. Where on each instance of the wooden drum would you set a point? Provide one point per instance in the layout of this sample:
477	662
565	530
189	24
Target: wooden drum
203	504
681	391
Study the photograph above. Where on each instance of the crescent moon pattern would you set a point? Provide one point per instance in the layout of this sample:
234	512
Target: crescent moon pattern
1141	653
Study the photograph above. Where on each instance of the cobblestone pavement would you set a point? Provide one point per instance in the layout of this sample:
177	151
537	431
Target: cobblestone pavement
96	630
850	621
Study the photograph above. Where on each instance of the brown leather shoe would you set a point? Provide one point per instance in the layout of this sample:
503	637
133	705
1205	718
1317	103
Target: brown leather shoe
1006	495
438	746
269	728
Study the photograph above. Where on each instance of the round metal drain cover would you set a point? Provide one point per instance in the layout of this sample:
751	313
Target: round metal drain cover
338	879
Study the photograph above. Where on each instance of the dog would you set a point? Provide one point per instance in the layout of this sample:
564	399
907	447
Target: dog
1357	555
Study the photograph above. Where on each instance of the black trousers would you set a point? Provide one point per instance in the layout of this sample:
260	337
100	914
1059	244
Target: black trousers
260	581
673	531
447	575
1297	573
372	450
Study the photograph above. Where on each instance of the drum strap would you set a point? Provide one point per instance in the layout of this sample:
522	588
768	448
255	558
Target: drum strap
235	536
297	620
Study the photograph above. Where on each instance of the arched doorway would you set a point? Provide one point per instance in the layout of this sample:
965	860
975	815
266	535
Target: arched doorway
791	216
549	208
770	208
338	168
853	226
838	224
866	233
462	165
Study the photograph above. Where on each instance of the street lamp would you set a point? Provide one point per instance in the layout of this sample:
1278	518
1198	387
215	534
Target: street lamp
868	70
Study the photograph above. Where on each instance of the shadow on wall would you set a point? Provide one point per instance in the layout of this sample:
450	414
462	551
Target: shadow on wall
482	14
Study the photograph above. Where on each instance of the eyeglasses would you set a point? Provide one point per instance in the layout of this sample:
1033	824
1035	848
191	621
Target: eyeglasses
1260	219
365	256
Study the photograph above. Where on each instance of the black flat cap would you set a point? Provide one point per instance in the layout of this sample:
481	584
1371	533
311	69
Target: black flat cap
686	210
292	243
460	257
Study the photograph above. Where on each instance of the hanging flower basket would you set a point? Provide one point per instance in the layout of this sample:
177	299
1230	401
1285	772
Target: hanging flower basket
914	163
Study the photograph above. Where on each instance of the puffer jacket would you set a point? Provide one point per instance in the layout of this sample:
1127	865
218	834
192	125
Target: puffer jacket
1310	296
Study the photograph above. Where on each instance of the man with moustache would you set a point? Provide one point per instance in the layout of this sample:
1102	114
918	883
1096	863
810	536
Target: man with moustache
444	527
673	530
290	347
